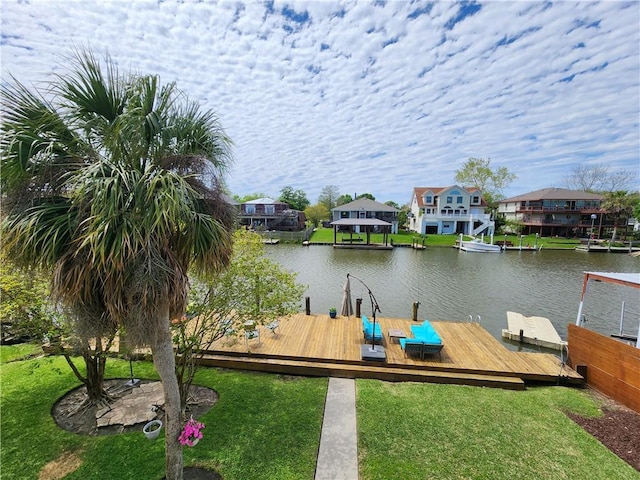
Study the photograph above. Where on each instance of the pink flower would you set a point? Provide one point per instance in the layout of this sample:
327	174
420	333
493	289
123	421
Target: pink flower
191	432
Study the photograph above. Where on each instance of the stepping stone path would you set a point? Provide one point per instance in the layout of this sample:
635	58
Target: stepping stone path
136	406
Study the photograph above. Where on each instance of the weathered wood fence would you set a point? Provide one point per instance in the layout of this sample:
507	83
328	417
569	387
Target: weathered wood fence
612	367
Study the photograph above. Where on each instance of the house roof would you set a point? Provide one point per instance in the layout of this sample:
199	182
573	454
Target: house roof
553	193
360	221
420	191
365	204
265	201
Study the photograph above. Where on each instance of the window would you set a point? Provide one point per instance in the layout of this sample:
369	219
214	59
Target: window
459	199
251	209
476	200
428	199
449	199
269	209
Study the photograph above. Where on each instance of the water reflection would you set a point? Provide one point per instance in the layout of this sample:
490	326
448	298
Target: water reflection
452	285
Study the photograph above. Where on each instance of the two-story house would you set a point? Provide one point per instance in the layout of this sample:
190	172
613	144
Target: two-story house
557	211
270	214
365	208
449	210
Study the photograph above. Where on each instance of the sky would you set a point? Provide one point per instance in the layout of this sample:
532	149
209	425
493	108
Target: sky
370	96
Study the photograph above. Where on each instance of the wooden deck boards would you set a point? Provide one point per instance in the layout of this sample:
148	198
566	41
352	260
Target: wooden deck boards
319	345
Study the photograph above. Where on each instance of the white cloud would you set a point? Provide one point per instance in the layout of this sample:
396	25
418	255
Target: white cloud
372	97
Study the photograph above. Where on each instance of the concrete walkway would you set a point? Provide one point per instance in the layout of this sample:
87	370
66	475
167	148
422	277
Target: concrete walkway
338	453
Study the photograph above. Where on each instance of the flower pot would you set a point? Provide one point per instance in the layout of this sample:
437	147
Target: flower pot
332	314
152	429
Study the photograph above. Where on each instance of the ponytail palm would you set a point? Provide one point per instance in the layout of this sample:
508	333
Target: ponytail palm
113	183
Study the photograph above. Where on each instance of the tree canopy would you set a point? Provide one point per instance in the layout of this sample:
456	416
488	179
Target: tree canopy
477	172
317	213
329	196
296	199
114	181
600	178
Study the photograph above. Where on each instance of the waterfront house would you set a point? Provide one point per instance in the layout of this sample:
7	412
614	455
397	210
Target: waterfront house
270	214
557	212
449	210
366	209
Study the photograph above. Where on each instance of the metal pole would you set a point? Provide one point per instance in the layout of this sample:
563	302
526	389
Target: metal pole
374	308
622	318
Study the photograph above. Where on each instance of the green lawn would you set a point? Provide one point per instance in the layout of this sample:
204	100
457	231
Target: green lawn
325	235
268	427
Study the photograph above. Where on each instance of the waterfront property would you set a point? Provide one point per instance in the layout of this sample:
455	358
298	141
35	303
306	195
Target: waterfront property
558	211
449	210
269	214
316	345
367	209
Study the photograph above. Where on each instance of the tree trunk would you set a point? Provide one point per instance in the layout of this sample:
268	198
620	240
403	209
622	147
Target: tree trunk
94	381
165	363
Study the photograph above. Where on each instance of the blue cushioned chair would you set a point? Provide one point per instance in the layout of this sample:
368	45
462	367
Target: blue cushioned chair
369	333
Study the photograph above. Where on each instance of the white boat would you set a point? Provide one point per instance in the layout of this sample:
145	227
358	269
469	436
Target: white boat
478	245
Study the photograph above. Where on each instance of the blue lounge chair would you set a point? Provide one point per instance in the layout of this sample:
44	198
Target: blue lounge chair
426	341
369	333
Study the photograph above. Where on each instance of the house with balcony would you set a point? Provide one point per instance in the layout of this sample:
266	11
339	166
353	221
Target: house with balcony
557	212
449	210
369	212
269	214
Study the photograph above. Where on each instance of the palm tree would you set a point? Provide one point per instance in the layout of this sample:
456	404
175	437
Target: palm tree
619	205
114	182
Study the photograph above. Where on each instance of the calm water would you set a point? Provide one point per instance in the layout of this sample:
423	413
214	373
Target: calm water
451	285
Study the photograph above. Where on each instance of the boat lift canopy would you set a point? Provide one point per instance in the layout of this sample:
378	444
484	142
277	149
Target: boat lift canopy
626	279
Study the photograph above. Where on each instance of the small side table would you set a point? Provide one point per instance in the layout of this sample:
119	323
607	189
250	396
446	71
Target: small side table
397	334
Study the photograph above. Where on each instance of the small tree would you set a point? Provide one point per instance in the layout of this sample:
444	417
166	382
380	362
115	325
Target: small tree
296	199
316	214
344	199
366	195
620	206
26	310
329	196
477	172
253	288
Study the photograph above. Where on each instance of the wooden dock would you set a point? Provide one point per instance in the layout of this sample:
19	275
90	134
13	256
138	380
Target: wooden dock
317	345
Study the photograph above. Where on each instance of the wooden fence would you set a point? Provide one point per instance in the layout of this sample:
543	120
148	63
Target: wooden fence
612	367
288	237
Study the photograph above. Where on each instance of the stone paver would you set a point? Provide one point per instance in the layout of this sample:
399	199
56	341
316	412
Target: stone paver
134	407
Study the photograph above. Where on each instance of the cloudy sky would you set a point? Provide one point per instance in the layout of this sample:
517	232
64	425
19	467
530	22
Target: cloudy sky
371	96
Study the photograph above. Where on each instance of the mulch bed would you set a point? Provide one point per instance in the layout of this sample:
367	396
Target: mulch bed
618	429
83	421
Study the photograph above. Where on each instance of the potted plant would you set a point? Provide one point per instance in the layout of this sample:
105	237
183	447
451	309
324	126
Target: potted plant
333	312
191	433
152	429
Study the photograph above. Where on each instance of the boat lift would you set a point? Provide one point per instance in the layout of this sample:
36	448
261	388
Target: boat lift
626	279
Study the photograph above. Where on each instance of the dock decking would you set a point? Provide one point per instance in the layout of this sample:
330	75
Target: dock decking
319	345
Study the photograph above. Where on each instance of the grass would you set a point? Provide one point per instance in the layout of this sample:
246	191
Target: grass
413	430
20	351
325	235
262	427
268	427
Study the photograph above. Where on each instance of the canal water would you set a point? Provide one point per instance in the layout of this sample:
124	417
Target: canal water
451	285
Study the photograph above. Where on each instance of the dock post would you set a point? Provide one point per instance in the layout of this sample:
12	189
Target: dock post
415	311
521	336
307	302
358	306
